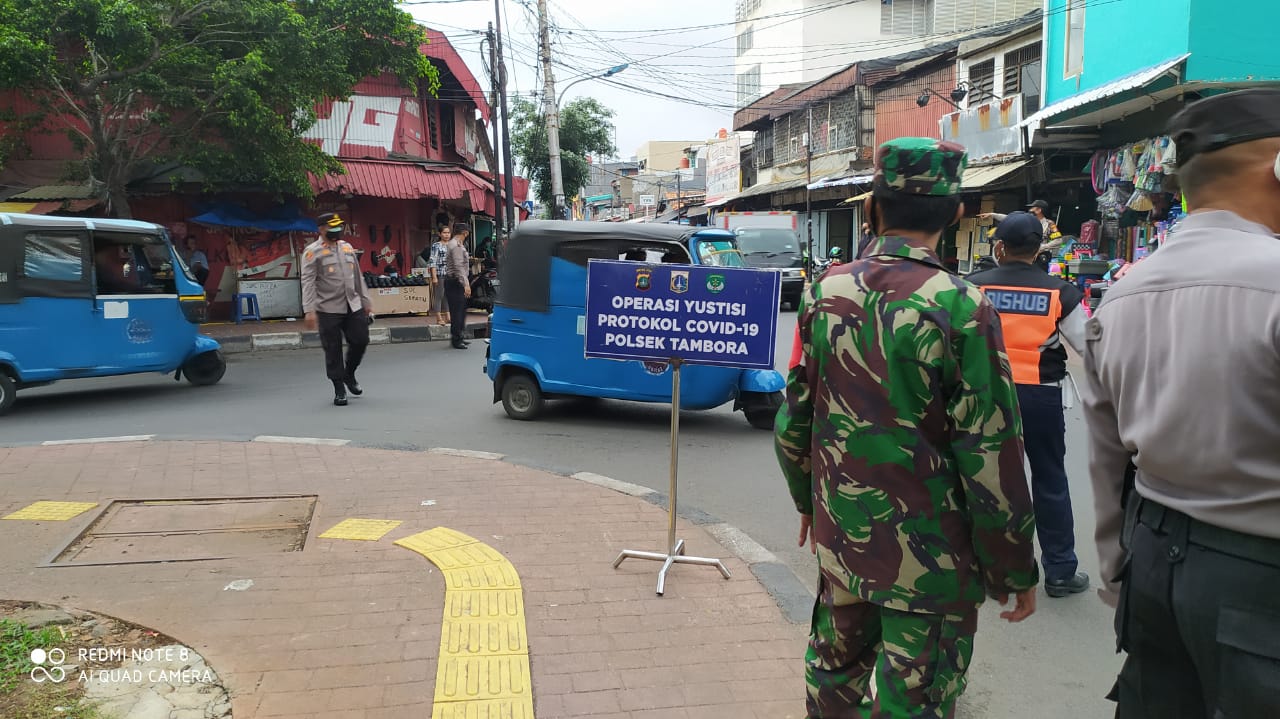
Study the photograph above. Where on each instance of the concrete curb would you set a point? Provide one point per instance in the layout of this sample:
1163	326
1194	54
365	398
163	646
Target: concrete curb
269	341
793	598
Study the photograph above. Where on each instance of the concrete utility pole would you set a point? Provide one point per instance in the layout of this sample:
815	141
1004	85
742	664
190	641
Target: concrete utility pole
508	162
553	112
498	201
808	205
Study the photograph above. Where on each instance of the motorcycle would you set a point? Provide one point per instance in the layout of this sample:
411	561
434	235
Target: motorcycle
484	289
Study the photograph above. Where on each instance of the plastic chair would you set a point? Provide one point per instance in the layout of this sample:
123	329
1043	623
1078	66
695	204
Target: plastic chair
241	313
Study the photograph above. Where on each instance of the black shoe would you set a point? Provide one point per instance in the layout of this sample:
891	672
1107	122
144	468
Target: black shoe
1065	587
459	345
340	401
353	386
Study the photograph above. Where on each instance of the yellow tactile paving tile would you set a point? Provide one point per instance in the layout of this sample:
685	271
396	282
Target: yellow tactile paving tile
511	708
489	576
52	511
483	637
435	540
471	678
485	604
364	530
483	668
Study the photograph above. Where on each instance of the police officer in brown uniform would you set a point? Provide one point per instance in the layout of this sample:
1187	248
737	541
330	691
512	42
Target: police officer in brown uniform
1183	366
336	299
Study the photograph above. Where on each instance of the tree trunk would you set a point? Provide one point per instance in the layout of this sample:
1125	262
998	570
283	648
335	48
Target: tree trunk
119	200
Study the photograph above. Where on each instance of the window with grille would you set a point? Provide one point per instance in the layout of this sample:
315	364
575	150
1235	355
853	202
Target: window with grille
763	147
746	8
906	17
1022	75
959	15
982	81
746	40
748	86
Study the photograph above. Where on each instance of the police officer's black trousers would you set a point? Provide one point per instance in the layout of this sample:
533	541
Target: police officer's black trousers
1044	432
333	327
455	294
1199	616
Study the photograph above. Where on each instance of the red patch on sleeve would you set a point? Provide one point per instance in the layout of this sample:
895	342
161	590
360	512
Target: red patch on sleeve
797	352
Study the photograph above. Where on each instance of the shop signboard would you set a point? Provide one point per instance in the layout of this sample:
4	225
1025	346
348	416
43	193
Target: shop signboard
648	200
989	131
276	298
699	315
724	168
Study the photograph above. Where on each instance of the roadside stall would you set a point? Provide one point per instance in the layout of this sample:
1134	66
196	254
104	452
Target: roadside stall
262	250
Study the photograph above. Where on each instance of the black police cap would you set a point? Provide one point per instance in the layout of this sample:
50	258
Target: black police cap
1225	120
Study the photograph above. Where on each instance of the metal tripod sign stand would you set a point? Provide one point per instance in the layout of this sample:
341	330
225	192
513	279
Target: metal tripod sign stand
677	315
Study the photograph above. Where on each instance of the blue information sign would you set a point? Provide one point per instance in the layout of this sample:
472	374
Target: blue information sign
701	315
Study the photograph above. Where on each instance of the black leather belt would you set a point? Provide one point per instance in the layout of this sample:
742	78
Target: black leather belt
1263	550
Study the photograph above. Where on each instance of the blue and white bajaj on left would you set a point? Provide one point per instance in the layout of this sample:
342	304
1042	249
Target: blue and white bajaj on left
84	297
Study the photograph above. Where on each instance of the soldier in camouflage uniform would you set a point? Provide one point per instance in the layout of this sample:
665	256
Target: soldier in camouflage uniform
901	444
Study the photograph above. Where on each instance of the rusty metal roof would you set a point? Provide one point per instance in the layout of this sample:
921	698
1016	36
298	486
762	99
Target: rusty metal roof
406	181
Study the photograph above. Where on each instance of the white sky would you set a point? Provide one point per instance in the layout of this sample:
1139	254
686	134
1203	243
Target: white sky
693	65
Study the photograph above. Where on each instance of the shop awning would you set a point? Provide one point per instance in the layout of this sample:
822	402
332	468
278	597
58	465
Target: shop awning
842	181
286	218
1139	80
856	198
976	178
696	212
407	181
48	207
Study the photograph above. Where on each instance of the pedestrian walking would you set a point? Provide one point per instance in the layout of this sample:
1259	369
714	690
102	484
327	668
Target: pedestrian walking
1183	407
901	446
336	300
457	287
1037	312
440	267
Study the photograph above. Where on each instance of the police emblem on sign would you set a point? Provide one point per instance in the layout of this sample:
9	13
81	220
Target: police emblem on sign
657	369
715	284
680	281
644	278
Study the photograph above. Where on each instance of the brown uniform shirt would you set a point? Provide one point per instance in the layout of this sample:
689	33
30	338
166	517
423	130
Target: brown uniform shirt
331	279
1183	369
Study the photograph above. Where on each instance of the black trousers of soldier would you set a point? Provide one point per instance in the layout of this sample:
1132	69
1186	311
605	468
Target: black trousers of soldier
1200	625
1044	433
455	295
354	326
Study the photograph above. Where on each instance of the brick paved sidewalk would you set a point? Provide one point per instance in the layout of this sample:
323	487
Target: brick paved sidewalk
352	629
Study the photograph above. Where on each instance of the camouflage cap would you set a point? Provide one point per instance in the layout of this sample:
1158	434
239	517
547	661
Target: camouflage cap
920	166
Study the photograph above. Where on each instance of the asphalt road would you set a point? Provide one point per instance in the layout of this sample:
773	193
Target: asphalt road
1058	664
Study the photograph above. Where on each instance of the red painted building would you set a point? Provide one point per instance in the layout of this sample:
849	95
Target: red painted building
411	166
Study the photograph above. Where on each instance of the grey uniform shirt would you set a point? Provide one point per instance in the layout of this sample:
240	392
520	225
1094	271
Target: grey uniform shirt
456	261
331	279
1182	363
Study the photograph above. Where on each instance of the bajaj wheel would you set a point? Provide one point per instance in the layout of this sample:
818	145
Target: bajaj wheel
521	397
205	369
761	408
8	392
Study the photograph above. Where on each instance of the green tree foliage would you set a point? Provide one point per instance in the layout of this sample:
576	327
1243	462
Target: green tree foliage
585	129
223	86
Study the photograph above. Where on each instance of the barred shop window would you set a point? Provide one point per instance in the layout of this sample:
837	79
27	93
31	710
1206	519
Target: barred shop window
52	256
1022	75
746	40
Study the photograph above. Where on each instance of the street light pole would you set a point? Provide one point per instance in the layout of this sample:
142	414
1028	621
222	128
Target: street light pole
508	164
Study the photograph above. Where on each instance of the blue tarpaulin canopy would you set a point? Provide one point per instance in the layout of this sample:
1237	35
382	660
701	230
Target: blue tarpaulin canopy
285	218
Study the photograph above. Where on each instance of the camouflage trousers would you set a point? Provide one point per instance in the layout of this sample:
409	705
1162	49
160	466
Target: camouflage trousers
866	661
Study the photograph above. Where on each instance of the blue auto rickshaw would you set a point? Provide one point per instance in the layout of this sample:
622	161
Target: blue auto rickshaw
84	297
536	331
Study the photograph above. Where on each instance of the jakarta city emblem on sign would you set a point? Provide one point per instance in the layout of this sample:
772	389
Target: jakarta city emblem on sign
644	278
680	281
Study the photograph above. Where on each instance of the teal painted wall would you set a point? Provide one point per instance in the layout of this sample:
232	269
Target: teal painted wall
1238	44
1120	37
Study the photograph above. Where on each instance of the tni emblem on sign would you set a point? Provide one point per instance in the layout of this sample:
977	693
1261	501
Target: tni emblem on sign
644	278
715	284
680	281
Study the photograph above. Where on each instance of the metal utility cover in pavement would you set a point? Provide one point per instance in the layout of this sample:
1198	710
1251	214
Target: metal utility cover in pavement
184	530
